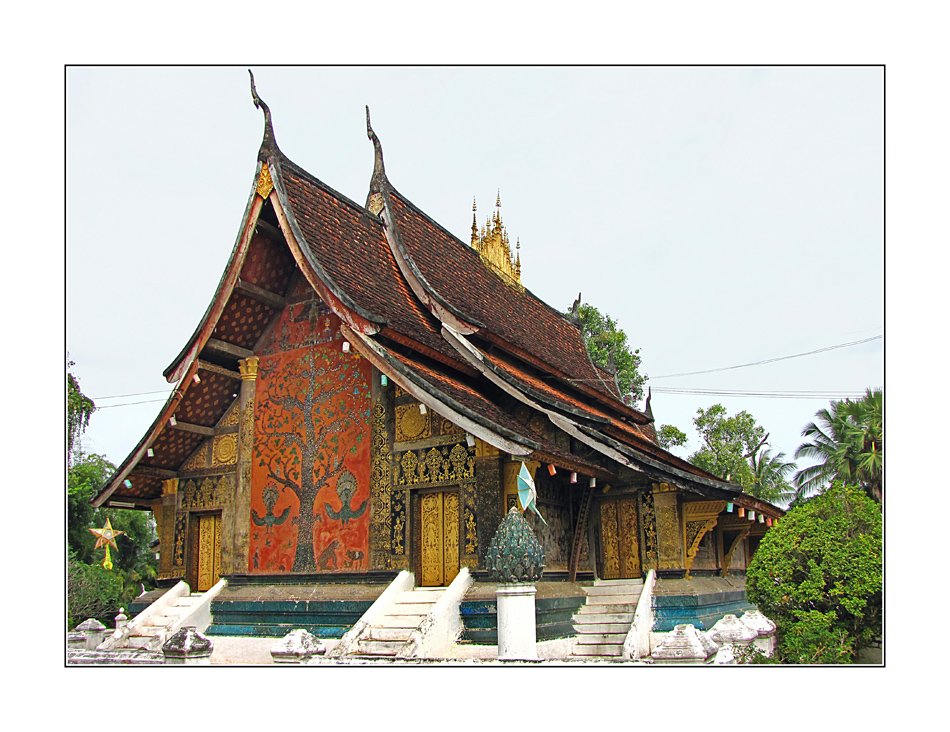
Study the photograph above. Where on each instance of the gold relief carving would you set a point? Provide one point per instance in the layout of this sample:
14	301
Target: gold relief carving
248	368
231	417
433	467
265	183
225	450
410	468
664	488
610	541
181	521
171	574
695	530
432	540
451	523
649	529
209	550
375	203
471	533
412	424
448	428
668	534
198	459
170	487
399	391
629	533
381	490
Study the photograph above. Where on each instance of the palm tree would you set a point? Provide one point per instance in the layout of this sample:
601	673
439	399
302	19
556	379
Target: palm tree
848	441
770	478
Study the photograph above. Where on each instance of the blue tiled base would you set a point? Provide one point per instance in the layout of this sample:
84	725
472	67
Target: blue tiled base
552	616
276	618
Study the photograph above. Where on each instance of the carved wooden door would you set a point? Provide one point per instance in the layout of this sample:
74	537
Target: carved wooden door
209	550
619	539
439	539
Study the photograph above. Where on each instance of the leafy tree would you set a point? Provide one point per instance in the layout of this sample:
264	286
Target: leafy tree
848	440
727	443
92	590
818	576
669	437
608	348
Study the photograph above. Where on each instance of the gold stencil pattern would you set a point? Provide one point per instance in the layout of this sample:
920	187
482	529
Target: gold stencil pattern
265	183
411	424
445	464
198	460
380	491
225	450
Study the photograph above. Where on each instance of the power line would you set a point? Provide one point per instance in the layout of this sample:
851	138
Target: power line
141	393
771	360
130	404
817	395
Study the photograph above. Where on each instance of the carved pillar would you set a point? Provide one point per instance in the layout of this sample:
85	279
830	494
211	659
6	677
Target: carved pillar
669	536
241	526
165	519
488	495
698	518
381	488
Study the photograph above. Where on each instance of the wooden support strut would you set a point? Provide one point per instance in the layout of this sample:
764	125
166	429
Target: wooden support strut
196	428
271	299
213	344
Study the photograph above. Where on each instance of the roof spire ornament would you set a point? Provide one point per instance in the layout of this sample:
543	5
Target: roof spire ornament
494	247
269	143
374	201
647	410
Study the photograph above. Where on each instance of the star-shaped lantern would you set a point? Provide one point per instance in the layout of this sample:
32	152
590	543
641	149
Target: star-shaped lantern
106	537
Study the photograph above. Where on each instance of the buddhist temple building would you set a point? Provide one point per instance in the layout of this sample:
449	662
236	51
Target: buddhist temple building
359	398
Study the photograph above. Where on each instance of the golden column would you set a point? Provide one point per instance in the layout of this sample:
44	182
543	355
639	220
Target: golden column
165	520
242	489
669	537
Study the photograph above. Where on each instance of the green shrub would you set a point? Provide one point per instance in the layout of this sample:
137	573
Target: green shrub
818	576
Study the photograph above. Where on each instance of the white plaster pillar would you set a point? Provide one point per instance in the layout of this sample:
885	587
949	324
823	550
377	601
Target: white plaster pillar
517	628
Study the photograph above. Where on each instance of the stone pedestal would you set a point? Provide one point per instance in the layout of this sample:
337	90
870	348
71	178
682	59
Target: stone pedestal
685	645
764	629
188	647
298	646
517	628
93	631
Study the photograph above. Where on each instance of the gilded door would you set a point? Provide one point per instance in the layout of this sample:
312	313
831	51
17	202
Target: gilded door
439	539
619	537
209	550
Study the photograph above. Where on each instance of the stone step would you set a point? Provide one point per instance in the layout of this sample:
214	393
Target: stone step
140	641
378	648
601	628
377	633
413	608
612	609
583	618
625	599
588	639
617	582
399	621
162	621
600	590
598	650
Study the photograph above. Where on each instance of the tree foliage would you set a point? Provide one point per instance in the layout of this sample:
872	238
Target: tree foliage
669	437
848	440
79	409
818	576
608	348
93	591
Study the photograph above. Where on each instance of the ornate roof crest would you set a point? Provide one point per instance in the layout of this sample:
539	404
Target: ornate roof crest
375	200
493	246
269	143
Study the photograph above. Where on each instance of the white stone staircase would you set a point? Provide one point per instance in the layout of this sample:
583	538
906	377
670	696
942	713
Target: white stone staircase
390	633
164	617
601	626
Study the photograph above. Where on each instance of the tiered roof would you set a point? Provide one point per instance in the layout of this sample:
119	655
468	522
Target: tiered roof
424	308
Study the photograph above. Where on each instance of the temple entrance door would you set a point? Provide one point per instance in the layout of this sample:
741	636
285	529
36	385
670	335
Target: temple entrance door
439	538
208	549
620	543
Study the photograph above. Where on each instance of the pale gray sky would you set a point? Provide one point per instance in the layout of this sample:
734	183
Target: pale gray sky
721	215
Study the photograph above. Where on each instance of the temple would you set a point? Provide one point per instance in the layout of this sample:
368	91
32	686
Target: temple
359	398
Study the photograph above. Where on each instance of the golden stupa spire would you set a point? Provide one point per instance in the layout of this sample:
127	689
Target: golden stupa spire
494	247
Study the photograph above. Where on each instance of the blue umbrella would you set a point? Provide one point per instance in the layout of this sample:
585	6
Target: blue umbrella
527	493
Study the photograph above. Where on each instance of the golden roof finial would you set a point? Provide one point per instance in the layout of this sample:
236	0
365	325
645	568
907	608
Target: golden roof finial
494	247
